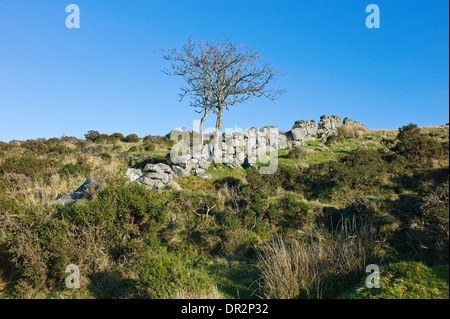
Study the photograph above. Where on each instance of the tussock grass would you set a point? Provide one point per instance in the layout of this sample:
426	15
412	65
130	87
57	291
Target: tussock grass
352	131
317	266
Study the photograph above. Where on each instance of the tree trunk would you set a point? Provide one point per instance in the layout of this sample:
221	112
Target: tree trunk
201	125
217	136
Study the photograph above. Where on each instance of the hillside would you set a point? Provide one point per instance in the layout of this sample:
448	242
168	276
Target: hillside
333	206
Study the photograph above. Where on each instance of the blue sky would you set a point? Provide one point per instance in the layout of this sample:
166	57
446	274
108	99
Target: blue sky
106	76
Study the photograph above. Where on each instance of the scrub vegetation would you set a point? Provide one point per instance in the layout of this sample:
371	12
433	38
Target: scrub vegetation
307	231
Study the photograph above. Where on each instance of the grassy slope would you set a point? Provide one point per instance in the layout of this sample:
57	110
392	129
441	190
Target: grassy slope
235	278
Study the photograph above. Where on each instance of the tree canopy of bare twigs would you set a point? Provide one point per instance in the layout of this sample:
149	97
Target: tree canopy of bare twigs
220	75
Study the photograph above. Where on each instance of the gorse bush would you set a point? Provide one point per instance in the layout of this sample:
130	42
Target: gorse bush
158	142
417	147
60	149
105	156
41	249
29	166
285	177
110	234
362	173
132	138
333	140
429	231
288	212
119	136
297	153
165	276
35	146
149	147
121	203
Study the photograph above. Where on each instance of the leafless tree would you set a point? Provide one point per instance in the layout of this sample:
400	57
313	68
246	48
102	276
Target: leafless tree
220	75
192	64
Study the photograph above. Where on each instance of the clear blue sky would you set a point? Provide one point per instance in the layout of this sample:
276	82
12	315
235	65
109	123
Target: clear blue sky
107	77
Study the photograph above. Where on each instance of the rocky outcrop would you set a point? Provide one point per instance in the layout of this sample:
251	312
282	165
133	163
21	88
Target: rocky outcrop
328	126
348	121
157	176
153	176
235	148
252	144
302	132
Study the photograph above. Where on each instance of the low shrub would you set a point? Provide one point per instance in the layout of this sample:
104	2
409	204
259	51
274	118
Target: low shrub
132	138
288	212
148	147
417	147
29	166
105	156
60	149
35	146
165	276
158	141
297	153
117	135
228	181
429	232
333	140
121	203
135	149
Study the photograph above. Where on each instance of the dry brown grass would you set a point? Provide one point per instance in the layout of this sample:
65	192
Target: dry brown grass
352	131
27	191
314	268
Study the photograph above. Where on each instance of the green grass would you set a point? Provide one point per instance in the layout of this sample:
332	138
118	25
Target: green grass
406	280
235	279
318	152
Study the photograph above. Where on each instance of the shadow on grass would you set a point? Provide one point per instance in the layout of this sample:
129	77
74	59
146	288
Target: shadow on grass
236	279
106	285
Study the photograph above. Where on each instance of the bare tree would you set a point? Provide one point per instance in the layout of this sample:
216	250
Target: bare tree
192	64
220	75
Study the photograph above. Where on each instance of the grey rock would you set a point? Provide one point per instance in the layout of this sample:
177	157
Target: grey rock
154	168
133	174
146	181
79	195
328	126
154	175
302	132
174	185
206	176
165	168
283	142
180	172
204	164
348	121
198	171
